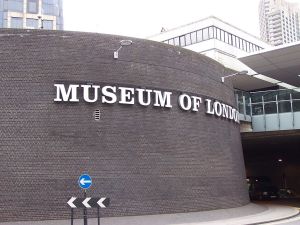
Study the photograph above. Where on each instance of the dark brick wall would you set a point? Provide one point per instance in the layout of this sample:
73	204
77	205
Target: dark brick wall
147	160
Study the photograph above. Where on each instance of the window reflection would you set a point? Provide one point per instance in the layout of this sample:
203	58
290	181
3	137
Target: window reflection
32	6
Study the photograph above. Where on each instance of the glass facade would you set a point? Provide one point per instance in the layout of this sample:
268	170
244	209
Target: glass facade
31	14
271	110
268	102
32	23
213	32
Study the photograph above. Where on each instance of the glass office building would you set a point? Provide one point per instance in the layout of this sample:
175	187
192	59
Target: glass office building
31	14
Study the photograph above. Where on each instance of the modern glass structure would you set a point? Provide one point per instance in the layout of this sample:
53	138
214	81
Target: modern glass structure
270	110
31	14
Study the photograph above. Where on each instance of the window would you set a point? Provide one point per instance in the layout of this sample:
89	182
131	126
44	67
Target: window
199	36
32	6
284	106
171	42
176	41
270	108
218	34
47	24
32	23
50	7
14	5
257	109
226	37
205	34
238	42
234	41
230	39
222	35
211	32
16	22
182	41
193	37
188	39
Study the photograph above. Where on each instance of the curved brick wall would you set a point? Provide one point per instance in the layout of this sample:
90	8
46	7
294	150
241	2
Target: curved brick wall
147	160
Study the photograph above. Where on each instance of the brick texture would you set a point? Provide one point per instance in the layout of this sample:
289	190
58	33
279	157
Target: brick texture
147	160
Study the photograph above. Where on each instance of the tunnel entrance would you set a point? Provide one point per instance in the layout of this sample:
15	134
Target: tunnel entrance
273	158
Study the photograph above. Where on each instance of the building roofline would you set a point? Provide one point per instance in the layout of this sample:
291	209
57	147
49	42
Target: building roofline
209	17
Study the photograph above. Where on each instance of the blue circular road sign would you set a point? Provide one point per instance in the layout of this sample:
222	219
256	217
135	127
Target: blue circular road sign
85	181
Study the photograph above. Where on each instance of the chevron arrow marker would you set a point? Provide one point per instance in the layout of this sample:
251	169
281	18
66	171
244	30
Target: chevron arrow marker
70	202
101	203
85	203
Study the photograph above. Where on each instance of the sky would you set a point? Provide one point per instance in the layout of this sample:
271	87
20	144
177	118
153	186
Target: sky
143	18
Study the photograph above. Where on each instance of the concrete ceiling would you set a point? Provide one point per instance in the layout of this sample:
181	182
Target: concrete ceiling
249	83
281	63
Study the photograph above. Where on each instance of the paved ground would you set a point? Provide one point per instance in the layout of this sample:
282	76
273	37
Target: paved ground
249	214
287	202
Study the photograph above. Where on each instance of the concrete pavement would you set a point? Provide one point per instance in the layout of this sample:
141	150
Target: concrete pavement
249	214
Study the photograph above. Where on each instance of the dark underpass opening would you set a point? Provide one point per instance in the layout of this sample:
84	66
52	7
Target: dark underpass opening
272	161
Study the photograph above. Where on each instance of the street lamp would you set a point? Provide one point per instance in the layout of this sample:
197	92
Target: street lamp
243	72
122	43
42	22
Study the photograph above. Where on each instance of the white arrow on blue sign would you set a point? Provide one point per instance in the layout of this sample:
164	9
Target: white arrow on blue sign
85	181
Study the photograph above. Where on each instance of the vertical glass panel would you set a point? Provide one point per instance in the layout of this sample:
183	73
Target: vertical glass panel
238	42
50	7
211	32
32	23
222	35
215	32
48	24
14	5
251	47
1	19
188	39
176	41
193	37
230	39
284	106
218	34
241	108
270	96
284	95
226	37
296	95
247	46
32	6
257	109
16	22
205	34
171	42
256	97
270	108
296	105
182	41
199	36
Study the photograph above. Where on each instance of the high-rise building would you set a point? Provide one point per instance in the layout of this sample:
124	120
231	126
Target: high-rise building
279	21
31	14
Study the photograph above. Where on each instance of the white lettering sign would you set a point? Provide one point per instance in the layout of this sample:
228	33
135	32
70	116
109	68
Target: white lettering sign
144	97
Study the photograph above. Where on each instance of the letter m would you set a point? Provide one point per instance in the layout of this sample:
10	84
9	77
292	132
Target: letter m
63	95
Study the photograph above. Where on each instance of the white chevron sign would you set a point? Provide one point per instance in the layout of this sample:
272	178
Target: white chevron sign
89	202
70	202
86	204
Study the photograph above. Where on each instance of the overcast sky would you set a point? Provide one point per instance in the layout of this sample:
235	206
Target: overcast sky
142	18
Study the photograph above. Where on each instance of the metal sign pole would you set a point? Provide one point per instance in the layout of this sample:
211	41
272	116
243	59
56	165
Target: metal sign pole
72	216
98	215
85	221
